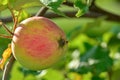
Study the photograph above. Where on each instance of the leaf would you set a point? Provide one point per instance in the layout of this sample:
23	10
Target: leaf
3	7
6	55
3	2
23	15
95	60
53	74
3	44
20	4
112	6
96	28
82	7
97	78
74	32
53	5
77	76
114	38
115	30
114	41
59	12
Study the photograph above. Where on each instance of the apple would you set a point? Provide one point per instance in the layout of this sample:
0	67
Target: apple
38	43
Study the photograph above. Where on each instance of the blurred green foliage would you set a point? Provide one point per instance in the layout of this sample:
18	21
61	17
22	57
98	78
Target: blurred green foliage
93	49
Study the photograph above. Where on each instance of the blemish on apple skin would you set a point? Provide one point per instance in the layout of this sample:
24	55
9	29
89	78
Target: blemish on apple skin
62	42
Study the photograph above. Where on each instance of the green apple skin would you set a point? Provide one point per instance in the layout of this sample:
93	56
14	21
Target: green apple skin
38	43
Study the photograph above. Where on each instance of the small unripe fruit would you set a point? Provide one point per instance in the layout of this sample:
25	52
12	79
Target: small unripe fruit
38	43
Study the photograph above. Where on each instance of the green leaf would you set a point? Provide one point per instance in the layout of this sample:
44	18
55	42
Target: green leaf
74	32
3	2
3	7
114	41
53	5
20	73
112	6
59	12
97	78
115	74
3	45
82	7
96	28
20	4
23	15
95	60
115	29
53	74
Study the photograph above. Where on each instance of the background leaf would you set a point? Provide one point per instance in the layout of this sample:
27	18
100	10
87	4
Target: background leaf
82	6
96	60
20	4
109	5
53	5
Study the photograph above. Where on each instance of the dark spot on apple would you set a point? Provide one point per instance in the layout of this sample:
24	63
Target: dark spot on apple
62	42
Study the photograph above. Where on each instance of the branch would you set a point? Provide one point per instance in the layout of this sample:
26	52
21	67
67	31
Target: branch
7	29
8	68
12	13
16	21
53	15
5	36
68	4
42	11
90	14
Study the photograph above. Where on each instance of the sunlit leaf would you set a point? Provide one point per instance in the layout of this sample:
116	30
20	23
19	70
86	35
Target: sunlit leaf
82	6
20	4
95	60
3	2
23	15
77	76
53	74
112	6
53	5
6	54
